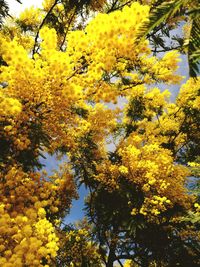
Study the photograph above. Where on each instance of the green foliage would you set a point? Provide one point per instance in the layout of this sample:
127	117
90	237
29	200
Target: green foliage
4	10
162	13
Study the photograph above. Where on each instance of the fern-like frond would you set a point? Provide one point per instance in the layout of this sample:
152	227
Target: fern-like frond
194	48
3	11
194	12
169	9
160	14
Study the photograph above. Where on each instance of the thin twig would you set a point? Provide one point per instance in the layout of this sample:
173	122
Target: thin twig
119	7
41	25
70	21
120	263
75	72
112	7
167	49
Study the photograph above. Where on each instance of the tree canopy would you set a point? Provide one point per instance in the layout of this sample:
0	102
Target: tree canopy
82	80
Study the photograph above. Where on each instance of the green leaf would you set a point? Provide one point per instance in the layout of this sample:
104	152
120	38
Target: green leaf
161	14
194	48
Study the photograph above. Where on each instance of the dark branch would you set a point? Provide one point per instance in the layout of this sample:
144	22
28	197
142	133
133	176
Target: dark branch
70	21
41	25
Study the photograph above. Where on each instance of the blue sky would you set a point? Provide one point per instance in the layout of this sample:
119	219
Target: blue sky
76	212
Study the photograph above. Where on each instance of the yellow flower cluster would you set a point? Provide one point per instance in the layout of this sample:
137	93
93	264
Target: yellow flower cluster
189	94
123	169
163	70
194	164
154	206
79	248
47	4
175	115
162	122
28	82
129	263
108	38
22	242
16	56
30	17
14	33
152	100
9	106
49	38
26	199
100	121
45	229
150	169
197	206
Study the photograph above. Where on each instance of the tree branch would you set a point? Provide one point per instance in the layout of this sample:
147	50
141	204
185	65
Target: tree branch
41	25
119	7
69	23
